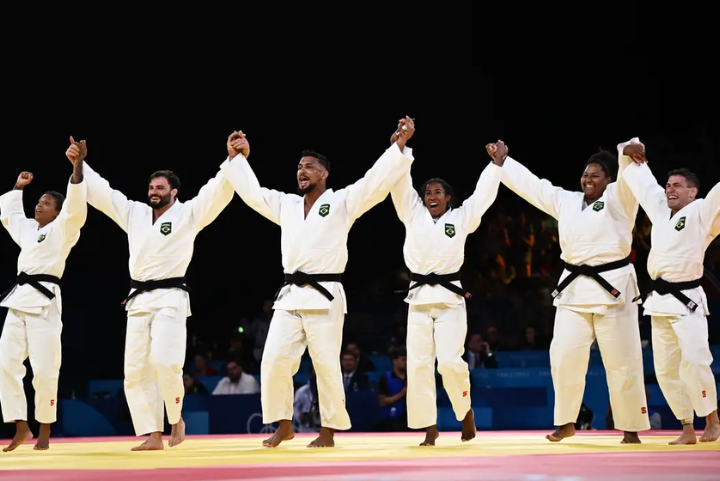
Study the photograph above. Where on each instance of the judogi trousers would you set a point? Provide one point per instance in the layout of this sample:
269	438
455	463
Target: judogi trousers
618	336
682	364
154	357
36	336
436	331
289	334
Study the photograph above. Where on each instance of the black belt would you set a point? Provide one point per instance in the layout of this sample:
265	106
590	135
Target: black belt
444	280
300	279
145	286
591	271
663	287
34	280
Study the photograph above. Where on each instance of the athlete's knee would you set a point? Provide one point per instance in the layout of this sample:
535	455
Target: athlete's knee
451	365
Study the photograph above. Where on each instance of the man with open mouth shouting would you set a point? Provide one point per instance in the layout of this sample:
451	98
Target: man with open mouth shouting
437	318
310	307
595	296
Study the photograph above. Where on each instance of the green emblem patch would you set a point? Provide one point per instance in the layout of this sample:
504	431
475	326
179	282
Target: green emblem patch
680	224
598	206
324	210
166	228
41	238
450	230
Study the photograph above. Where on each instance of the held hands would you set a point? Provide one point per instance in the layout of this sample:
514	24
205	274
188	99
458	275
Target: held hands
498	152
404	132
238	144
636	151
76	152
23	180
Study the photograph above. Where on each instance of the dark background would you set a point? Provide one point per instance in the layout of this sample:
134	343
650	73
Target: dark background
554	92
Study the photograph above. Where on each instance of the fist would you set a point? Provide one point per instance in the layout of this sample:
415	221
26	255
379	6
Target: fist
77	152
497	151
404	132
24	179
635	152
238	144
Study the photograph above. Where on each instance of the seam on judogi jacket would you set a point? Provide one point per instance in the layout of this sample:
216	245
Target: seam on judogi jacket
439	247
317	244
43	251
594	236
161	250
678	242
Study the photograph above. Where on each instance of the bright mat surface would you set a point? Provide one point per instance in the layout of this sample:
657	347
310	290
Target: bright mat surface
507	455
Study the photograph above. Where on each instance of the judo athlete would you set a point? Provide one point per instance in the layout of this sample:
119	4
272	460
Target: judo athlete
437	317
310	307
683	228
161	235
33	325
594	298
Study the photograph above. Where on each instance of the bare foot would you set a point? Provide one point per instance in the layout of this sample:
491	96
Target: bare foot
687	436
177	435
561	433
630	438
22	434
431	435
284	433
154	443
712	429
43	441
325	440
468	427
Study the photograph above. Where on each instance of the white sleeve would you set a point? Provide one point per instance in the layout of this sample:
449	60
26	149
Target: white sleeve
100	195
372	189
624	194
211	200
74	211
485	194
540	193
645	188
710	208
220	388
405	198
242	178
12	214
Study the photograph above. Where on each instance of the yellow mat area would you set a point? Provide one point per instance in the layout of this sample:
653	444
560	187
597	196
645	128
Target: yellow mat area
248	450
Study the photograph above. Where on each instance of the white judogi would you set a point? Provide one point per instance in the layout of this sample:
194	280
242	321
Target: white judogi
437	318
156	330
313	245
33	325
592	235
680	337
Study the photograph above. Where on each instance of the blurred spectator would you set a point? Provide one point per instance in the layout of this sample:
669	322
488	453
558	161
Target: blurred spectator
258	330
352	378
392	389
202	367
236	381
531	340
192	385
585	419
478	353
363	363
306	408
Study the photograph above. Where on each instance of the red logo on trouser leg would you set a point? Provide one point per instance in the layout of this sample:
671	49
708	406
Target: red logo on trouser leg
177	400
704	394
52	402
464	393
643	410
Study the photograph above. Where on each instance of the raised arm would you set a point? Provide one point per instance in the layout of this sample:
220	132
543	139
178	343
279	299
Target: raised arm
392	166
211	200
647	191
244	181
627	201
540	193
405	198
12	212
710	208
99	193
74	210
485	194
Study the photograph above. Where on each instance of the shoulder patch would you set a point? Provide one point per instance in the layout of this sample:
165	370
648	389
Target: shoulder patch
450	230
324	210
41	238
598	206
